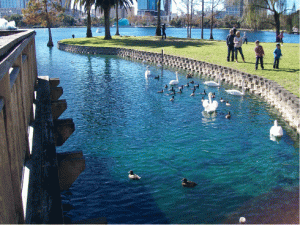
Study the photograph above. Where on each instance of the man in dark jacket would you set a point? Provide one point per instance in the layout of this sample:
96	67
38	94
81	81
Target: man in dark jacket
230	45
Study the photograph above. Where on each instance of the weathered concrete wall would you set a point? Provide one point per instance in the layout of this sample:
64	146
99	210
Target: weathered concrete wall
286	102
17	80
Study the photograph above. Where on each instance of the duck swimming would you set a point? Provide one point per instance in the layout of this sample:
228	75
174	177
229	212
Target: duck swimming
228	104
166	86
187	85
203	93
197	85
186	183
162	91
180	91
193	94
156	77
222	100
172	89
172	99
133	176
189	75
228	116
192	82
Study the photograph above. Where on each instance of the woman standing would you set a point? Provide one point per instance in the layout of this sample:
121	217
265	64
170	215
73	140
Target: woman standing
238	41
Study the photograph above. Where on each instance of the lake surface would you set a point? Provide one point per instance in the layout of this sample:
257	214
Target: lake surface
218	34
123	124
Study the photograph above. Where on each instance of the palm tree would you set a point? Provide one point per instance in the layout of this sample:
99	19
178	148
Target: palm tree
158	30
106	5
87	6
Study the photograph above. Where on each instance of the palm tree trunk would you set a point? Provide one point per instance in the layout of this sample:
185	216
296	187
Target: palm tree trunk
89	21
117	15
158	26
202	21
106	23
50	42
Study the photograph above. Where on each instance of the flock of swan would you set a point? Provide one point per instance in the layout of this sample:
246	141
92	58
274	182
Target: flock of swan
210	105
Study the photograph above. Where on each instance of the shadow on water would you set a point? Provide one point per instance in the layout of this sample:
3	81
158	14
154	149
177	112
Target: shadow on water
120	202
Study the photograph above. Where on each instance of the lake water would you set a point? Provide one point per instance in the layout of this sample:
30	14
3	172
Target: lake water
123	124
218	34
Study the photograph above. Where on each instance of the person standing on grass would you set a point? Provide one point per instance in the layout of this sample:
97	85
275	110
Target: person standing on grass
163	29
245	39
259	51
280	38
238	41
230	45
277	54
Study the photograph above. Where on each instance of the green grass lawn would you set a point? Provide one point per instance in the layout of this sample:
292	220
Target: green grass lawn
213	52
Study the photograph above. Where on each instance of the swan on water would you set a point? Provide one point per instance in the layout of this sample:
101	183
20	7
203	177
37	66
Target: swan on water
276	130
174	82
186	183
147	72
133	176
236	92
213	83
210	106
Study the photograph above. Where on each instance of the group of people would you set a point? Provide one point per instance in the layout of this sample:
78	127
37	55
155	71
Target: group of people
234	43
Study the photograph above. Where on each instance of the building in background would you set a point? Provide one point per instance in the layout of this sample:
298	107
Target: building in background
150	7
13	4
234	9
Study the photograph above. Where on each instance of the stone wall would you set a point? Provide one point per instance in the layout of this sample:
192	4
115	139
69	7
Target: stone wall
286	102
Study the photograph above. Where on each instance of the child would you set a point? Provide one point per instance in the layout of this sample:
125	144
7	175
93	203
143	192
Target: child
238	45
230	45
277	54
280	38
259	51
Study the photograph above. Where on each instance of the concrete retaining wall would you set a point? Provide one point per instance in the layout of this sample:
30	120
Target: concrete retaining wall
286	102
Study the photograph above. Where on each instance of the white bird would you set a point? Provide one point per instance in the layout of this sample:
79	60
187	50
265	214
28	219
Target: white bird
236	92
214	84
208	105
133	176
147	72
276	130
174	82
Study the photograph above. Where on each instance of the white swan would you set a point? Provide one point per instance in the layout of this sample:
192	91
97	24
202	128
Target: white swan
174	82
133	176
276	130
147	72
214	84
208	105
236	92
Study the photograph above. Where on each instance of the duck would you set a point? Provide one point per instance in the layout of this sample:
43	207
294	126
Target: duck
133	176
194	88
228	104
237	92
203	93
222	100
162	91
186	183
172	93
187	85
192	82
210	106
276	130
156	77
189	75
166	86
181	87
202	100
172	99
197	85
193	94
147	72
213	83
228	116
174	82
171	89
213	95
180	91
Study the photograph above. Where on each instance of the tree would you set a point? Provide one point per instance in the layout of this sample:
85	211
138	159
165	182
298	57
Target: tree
276	7
213	6
158	26
117	15
42	12
106	5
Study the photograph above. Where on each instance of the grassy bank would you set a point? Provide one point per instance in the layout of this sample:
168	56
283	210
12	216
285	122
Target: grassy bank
214	52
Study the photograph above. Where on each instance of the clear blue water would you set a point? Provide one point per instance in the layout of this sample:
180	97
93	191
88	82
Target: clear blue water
218	34
123	124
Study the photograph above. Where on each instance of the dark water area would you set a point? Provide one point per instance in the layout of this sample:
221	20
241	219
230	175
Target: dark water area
123	124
